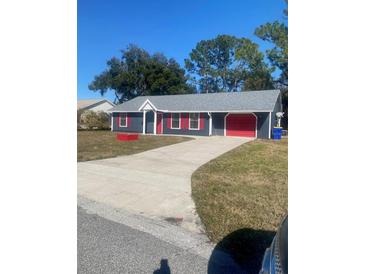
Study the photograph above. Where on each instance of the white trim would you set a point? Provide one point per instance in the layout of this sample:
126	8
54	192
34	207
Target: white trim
179	121
225	123
144	122
210	123
198	121
225	116
155	122
126	122
145	103
112	123
270	126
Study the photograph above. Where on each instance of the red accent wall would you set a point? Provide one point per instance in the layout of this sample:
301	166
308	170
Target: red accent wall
201	117
159	123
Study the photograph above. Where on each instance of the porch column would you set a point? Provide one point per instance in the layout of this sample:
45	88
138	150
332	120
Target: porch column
155	123
144	122
112	123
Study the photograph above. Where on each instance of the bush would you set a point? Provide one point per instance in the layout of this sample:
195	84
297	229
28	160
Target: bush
94	120
79	112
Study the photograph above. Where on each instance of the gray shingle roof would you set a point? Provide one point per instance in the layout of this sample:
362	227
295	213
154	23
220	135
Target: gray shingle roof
263	101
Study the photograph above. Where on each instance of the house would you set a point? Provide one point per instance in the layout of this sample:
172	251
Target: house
246	114
94	105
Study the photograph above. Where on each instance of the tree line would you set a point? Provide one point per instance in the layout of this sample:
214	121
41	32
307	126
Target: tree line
223	64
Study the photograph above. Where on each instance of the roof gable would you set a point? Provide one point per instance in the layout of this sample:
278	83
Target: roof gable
147	105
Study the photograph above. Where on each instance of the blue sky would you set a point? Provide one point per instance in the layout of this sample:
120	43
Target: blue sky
172	27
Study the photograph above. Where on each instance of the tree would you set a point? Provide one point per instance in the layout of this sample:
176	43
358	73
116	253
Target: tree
226	64
256	73
277	34
139	73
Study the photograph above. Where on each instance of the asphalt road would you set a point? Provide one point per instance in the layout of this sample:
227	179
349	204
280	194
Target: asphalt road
105	246
112	240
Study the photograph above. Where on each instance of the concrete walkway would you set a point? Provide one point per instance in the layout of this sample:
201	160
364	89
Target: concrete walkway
154	183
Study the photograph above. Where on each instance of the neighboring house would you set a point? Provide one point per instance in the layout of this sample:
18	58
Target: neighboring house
246	114
94	105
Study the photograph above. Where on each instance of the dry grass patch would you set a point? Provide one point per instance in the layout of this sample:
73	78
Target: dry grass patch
100	144
244	193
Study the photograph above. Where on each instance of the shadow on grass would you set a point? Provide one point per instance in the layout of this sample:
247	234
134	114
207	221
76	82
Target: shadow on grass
247	248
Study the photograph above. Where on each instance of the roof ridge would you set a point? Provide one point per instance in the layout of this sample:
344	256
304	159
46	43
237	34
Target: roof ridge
210	93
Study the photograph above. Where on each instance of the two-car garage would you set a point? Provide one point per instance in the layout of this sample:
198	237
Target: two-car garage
241	125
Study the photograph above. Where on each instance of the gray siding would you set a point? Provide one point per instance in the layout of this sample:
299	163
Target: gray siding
262	124
186	131
263	120
136	120
218	124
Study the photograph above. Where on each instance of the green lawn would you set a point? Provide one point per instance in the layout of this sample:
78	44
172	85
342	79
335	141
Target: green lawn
100	144
242	196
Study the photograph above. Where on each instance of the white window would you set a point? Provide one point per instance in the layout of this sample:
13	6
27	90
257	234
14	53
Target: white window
122	119
175	120
194	121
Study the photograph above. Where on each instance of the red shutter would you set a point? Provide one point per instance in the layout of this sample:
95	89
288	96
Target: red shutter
128	120
118	119
201	122
184	120
169	120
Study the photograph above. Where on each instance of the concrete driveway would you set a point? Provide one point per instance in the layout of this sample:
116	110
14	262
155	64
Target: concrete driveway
154	183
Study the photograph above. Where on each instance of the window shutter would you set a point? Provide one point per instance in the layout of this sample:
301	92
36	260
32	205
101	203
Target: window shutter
169	120
128	120
184	120
201	121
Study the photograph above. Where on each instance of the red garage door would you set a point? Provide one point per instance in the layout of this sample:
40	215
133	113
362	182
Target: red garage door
243	125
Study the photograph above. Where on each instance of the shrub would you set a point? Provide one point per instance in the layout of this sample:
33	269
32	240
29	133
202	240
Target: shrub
94	120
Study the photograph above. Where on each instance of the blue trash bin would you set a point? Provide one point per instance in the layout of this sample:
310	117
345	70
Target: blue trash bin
277	132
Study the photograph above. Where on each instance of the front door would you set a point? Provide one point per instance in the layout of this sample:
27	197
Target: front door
159	123
150	123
